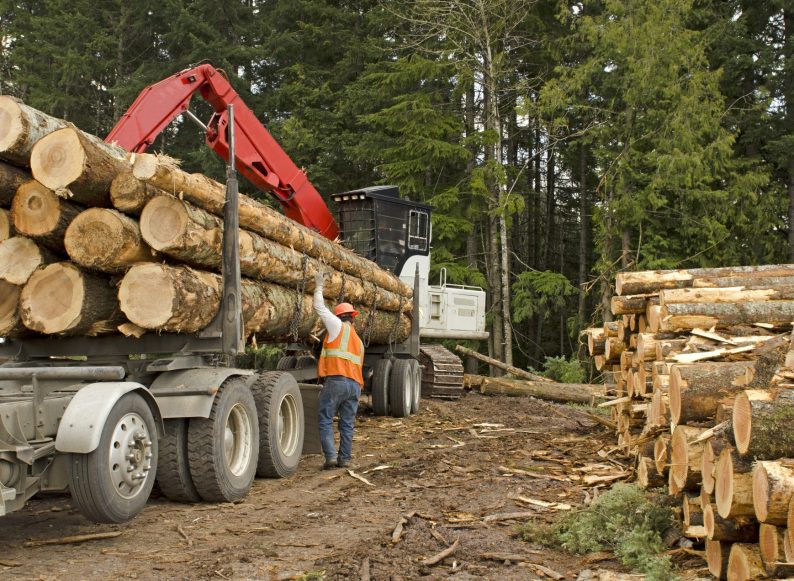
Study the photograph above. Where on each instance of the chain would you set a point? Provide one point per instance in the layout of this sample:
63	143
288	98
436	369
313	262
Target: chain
370	321
393	333
300	289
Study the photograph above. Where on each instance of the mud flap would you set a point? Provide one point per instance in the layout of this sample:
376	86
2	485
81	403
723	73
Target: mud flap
310	394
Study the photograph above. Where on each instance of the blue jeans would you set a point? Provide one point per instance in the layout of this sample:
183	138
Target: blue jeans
339	396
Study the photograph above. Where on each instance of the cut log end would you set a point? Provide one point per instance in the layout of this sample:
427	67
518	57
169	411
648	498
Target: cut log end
11	127
53	298
58	159
745	563
145	166
760	492
19	258
742	422
105	240
36	209
717	558
770	543
147	295
163	221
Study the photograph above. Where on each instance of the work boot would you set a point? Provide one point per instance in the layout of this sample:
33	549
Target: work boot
330	464
345	463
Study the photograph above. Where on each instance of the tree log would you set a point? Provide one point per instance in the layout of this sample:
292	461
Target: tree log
186	301
19	259
691	511
712	448
610	328
741	529
762	423
647	476
210	195
773	488
757	280
646	344
771	543
629	305
10	323
6	225
745	563
128	194
651	281
62	299
195	236
561	392
596	339
697	388
685	457
737	294
20	128
10	179
669	347
661	453
717	554
682	316
77	166
496	363
613	347
106	240
733	492
41	215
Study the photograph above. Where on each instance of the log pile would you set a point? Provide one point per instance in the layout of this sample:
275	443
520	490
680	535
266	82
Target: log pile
700	364
95	241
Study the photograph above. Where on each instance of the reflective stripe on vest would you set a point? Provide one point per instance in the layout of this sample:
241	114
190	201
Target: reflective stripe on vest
342	352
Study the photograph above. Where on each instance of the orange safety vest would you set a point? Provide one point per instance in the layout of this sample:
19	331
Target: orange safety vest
343	356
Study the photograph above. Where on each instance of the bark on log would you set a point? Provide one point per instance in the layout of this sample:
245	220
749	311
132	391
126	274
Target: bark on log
717	554
19	259
39	214
773	488
682	316
10	323
745	563
651	281
106	240
685	457
741	529
20	128
697	388
762	423
596	337
256	217
77	166
496	363
186	300
757	280
725	295
62	299
629	305
647	476
691	511
613	347
10	179
128	194
561	392
669	347
611	328
6	225
195	236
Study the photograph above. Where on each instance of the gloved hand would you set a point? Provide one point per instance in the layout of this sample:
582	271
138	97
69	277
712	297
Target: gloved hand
319	278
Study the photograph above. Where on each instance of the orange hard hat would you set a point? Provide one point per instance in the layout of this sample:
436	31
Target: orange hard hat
345	309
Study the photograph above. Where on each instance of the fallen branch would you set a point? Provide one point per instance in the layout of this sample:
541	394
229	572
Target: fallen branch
496	363
184	535
72	540
442	555
507	516
361	478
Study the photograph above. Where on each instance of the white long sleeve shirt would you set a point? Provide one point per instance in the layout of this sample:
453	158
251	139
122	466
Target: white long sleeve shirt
333	324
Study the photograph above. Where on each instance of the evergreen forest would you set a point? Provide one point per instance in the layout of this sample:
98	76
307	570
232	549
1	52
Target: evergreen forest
560	142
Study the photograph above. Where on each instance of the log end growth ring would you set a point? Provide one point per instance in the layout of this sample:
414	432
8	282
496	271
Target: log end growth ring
58	159
723	485
760	492
163	222
19	257
10	122
679	458
146	295
36	209
52	300
95	237
9	302
742	422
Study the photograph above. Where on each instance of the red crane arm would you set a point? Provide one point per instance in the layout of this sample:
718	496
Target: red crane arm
258	156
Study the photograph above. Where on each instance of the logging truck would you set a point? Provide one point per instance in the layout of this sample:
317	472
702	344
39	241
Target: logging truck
102	406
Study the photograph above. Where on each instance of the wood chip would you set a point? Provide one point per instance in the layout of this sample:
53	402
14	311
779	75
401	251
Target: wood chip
442	555
507	516
377	468
184	535
512	471
5	563
72	539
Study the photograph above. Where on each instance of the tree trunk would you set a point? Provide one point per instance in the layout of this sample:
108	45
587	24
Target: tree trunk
509	368
631	304
685	457
41	215
106	240
717	554
745	563
62	299
20	128
6	225
696	389
561	392
741	529
77	166
211	196
762	421
10	179
652	281
773	488
19	259
128	194
194	236
584	234
725	295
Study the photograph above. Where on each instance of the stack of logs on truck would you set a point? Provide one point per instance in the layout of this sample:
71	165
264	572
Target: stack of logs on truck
701	364
98	241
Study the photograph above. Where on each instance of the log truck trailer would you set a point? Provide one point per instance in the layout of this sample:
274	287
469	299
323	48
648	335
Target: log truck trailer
103	417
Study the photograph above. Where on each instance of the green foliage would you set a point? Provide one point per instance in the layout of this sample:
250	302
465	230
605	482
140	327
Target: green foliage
624	520
539	293
564	370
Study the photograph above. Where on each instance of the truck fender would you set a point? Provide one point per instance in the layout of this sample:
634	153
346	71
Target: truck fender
189	393
82	422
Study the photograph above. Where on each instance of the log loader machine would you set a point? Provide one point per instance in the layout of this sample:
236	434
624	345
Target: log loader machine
103	417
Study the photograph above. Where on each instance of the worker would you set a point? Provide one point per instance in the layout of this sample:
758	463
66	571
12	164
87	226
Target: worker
340	368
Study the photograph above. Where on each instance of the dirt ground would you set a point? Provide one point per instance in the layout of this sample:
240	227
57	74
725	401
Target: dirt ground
453	474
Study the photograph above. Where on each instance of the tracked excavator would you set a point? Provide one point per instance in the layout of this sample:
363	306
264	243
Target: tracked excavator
375	222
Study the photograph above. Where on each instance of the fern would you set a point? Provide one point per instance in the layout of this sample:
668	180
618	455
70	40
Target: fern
537	292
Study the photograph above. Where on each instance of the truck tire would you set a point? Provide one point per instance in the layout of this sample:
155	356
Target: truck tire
400	389
223	448
380	387
173	470
416	384
281	426
286	362
113	483
305	362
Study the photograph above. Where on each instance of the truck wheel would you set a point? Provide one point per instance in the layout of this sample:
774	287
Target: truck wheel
416	384
380	387
286	362
278	400
173	471
400	389
222	449
305	362
113	483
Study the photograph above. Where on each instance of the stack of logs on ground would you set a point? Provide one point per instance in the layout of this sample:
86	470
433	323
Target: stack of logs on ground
702	367
97	241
